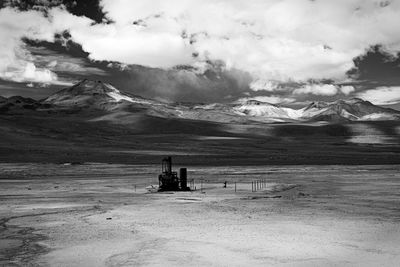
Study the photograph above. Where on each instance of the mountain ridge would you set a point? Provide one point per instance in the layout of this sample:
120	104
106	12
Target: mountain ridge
96	95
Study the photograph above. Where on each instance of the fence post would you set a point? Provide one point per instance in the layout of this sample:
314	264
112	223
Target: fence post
235	187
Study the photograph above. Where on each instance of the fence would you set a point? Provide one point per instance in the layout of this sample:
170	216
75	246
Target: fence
258	184
202	185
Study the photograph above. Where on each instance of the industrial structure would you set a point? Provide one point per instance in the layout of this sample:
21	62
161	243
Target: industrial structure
169	180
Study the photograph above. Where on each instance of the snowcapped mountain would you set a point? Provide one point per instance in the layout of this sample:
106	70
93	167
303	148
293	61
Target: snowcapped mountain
262	109
342	110
96	95
354	109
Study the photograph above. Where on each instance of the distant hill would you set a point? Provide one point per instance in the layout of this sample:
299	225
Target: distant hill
19	104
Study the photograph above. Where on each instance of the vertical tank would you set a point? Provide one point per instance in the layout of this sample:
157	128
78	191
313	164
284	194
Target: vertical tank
183	178
167	165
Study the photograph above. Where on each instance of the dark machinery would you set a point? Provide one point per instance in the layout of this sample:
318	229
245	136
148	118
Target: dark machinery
169	180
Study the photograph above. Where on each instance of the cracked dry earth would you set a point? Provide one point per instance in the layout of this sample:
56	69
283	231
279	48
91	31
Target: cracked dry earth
101	215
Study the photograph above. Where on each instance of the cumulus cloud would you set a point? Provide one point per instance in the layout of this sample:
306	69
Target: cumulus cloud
270	99
324	89
13	26
16	62
317	89
31	73
347	89
264	85
382	95
274	41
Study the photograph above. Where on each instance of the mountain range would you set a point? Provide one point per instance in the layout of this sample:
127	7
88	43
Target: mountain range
114	105
93	121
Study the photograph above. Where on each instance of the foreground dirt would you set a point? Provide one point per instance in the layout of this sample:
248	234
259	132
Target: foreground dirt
101	215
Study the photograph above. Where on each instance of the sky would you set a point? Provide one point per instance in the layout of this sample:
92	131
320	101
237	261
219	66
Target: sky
286	52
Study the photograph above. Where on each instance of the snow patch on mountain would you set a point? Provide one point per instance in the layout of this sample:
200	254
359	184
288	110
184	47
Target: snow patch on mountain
294	113
378	117
116	94
348	115
256	108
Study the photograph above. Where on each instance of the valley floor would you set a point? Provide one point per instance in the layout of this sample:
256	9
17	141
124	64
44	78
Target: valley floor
72	138
101	215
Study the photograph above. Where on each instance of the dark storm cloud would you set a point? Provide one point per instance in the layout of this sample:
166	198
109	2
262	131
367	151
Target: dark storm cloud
87	8
64	59
376	75
377	66
182	83
215	85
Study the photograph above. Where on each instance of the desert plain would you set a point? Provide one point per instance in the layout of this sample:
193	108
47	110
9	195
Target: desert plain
95	214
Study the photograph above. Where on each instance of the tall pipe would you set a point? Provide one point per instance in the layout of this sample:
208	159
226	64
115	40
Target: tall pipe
183	178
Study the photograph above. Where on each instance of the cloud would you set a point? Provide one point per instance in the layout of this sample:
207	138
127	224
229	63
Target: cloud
377	64
16	62
324	89
269	99
58	62
264	85
274	41
382	95
317	89
31	73
347	89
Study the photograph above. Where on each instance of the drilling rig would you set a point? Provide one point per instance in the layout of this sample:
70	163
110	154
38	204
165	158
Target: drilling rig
169	180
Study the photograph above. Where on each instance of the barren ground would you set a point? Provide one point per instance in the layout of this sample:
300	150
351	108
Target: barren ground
101	215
